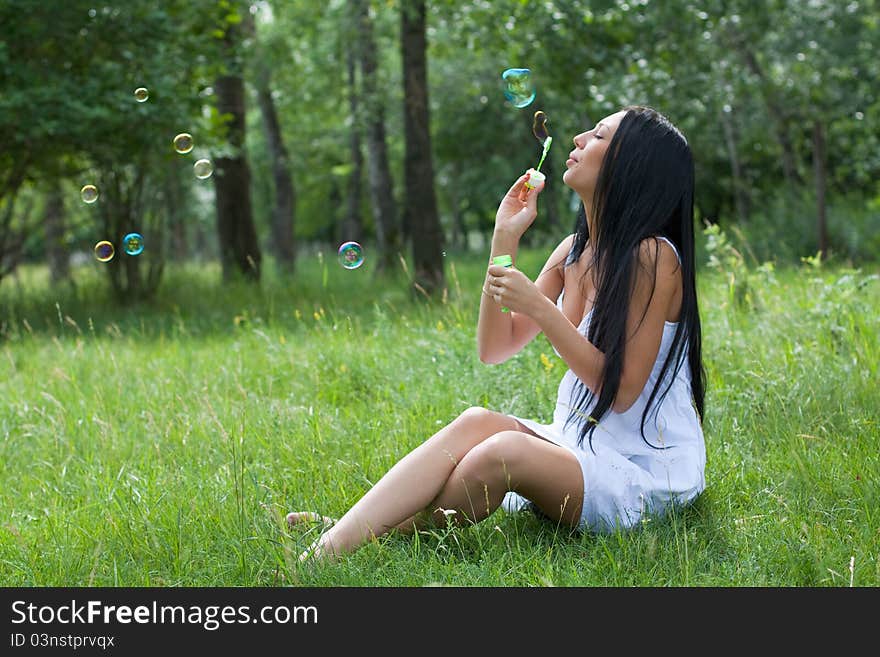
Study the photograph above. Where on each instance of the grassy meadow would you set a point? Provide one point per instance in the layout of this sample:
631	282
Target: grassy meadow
162	444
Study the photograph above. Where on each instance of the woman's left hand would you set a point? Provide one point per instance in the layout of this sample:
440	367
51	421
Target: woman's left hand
512	289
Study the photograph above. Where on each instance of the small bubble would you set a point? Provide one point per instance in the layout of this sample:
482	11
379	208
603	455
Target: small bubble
89	193
801	56
727	108
183	143
104	251
519	89
444	254
203	169
133	243
351	255
141	94
859	116
484	100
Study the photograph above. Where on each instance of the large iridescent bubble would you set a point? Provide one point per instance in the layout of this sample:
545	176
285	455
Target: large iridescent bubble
351	255
519	89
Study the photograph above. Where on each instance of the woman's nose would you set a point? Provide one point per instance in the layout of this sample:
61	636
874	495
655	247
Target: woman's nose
579	140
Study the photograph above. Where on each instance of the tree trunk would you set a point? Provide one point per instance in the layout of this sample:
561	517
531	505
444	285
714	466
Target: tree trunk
820	177
57	254
239	248
284	208
740	198
352	228
381	185
11	240
420	208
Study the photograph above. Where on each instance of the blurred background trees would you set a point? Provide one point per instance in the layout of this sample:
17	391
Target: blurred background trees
384	122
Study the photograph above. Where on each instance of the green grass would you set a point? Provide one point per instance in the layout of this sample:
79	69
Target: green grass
162	444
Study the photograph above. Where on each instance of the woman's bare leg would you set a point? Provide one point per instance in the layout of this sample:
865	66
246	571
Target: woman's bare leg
433	513
545	473
411	484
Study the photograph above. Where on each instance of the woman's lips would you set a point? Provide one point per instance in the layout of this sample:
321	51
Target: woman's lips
570	161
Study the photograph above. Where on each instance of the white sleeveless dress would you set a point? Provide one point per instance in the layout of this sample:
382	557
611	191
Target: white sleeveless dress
625	478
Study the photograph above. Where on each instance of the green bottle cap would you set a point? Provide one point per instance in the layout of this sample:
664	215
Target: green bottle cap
506	261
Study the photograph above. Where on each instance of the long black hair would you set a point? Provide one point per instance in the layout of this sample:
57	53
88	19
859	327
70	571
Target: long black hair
645	189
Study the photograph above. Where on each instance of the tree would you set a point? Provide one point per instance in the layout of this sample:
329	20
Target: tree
239	249
420	210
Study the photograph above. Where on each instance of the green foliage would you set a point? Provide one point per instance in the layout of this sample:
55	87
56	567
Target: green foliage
67	71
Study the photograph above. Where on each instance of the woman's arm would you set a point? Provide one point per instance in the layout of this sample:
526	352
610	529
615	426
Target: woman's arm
502	335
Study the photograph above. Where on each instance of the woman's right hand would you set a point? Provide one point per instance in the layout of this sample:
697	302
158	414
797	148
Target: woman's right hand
515	215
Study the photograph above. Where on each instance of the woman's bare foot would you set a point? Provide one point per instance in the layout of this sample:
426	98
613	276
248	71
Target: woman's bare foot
317	550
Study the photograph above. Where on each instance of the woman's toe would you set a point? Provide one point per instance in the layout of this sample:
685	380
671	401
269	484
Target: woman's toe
296	517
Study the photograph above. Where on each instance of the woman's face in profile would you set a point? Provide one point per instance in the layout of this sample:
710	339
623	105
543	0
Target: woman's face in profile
584	162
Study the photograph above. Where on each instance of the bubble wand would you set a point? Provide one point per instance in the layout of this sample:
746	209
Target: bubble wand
539	129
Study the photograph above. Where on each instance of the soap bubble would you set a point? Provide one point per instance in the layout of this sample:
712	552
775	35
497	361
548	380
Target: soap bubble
539	126
89	193
141	94
203	169
351	255
519	89
104	251
133	243
183	143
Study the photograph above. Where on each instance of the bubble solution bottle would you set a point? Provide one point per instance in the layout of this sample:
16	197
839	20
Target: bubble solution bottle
505	261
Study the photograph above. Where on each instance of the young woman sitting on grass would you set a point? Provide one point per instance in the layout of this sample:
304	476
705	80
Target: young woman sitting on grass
618	301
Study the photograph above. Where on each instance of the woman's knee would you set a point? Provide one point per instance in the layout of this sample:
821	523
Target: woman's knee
475	416
472	427
497	458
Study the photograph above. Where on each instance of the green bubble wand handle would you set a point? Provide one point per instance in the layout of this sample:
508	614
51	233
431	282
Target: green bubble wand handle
505	261
547	143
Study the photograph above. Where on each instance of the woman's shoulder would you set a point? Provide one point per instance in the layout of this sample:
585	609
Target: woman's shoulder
658	252
559	256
